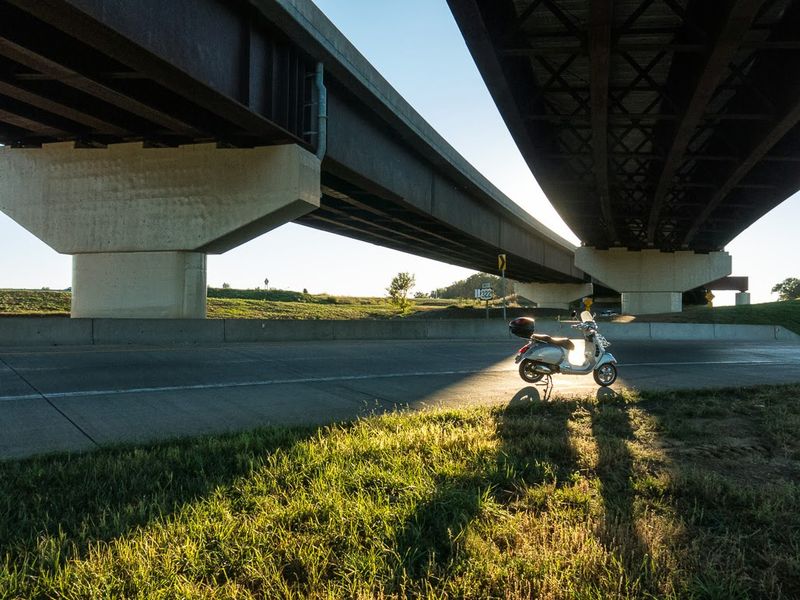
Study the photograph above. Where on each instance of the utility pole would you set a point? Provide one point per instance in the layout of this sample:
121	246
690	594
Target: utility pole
501	265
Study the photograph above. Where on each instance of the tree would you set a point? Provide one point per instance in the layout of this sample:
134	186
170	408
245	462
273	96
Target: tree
788	289
465	287
399	288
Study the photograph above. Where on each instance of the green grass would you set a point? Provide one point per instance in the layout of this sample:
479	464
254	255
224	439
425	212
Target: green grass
282	304
34	302
785	313
678	495
260	304
236	308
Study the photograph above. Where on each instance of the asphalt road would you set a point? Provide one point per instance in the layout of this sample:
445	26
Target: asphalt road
54	399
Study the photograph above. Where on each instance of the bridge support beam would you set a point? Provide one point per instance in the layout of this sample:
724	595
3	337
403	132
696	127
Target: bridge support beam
652	281
140	221
553	295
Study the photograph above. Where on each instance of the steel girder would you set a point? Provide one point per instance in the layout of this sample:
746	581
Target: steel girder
165	73
668	124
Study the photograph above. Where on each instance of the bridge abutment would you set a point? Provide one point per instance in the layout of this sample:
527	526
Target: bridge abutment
652	281
553	295
140	221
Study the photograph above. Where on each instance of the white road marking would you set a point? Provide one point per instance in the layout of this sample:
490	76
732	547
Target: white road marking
235	384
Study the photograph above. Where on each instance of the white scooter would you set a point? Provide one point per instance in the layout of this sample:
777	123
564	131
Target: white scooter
544	355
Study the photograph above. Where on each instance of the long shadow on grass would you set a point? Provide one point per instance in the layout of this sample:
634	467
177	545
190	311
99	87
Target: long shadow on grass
76	500
612	432
534	449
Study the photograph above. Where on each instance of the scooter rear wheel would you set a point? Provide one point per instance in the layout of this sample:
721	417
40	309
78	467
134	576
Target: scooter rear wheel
605	375
527	372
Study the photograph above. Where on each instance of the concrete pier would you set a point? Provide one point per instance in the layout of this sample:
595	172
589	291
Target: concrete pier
652	281
140	221
553	295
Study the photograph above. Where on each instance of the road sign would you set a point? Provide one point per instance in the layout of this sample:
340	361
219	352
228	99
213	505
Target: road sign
477	293
710	298
501	262
486	286
587	302
487	294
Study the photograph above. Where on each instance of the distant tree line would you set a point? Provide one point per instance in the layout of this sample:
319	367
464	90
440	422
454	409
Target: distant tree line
465	288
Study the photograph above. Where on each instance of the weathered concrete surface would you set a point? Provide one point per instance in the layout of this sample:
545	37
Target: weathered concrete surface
160	332
651	281
139	221
60	331
127	198
45	331
156	285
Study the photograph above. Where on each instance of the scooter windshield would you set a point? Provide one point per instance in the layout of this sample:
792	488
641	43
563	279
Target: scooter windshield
586	317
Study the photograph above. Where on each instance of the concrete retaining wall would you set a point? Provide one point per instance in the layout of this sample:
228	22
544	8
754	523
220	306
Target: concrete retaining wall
158	331
60	331
45	331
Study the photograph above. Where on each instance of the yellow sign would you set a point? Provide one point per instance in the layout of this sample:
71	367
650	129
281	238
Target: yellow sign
587	302
709	298
501	262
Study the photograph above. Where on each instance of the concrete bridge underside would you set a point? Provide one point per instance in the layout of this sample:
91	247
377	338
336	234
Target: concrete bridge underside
230	81
660	128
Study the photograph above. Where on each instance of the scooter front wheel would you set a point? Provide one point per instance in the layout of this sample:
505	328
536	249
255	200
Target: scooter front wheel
527	371
605	375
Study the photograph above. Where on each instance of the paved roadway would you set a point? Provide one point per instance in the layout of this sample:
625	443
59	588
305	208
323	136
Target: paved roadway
75	399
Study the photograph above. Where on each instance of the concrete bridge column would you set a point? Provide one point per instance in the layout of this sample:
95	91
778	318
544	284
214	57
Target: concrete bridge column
140	221
553	295
652	281
742	298
139	284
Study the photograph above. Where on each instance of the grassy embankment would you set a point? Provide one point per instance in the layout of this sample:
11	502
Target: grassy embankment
769	313
280	304
262	304
679	495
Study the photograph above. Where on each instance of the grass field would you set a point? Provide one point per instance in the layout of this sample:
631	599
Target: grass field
262	304
34	302
769	313
679	495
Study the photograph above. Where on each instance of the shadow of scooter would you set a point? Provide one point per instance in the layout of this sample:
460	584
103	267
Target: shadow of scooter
532	394
606	394
526	395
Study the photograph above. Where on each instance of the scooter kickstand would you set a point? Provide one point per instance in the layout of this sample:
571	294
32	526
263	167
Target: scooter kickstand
548	387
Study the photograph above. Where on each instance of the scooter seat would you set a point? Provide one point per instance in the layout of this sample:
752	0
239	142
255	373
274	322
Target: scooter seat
556	341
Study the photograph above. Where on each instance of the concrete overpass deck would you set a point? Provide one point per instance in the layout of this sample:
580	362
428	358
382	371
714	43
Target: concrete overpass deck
242	75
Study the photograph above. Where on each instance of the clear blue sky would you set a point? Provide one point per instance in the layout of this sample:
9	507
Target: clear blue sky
417	47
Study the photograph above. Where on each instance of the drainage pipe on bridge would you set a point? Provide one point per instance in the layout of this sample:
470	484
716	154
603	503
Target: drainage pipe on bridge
322	113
